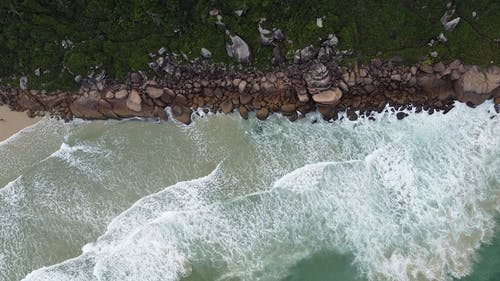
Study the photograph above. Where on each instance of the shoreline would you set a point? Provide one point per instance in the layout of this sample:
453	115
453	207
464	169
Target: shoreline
295	91
11	122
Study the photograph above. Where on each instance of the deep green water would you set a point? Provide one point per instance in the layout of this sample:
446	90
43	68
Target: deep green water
229	199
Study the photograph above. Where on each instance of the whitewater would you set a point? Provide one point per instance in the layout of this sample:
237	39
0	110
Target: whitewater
232	199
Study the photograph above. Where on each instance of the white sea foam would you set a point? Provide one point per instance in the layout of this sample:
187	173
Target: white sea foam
410	199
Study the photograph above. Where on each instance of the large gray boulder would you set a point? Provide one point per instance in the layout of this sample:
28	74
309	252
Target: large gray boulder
238	49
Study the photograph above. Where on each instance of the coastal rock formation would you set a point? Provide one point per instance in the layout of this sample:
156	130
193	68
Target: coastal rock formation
359	91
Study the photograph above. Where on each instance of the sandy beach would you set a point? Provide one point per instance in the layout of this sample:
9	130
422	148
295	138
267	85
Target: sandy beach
12	122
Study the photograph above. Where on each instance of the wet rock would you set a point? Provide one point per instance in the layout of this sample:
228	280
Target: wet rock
134	101
288	108
401	115
154	92
351	115
262	113
329	97
293	117
238	49
182	114
227	106
205	53
243	112
160	113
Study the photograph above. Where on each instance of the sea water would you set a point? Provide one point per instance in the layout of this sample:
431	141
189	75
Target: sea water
232	199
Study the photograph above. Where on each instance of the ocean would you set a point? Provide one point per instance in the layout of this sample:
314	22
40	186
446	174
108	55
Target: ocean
232	199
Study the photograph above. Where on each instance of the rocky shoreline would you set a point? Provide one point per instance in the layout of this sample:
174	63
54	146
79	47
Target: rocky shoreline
293	92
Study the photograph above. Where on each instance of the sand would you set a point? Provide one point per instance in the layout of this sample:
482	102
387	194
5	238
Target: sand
12	122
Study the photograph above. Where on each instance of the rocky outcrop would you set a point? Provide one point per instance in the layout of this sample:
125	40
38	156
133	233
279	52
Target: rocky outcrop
360	91
477	85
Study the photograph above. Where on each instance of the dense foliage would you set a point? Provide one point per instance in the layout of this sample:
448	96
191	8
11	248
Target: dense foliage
118	35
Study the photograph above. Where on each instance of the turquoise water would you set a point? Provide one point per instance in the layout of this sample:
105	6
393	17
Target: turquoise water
229	199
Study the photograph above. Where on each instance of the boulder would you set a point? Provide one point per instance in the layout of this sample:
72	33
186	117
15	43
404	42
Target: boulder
242	85
154	92
121	94
86	108
110	95
23	83
181	99
227	106
288	108
160	113
245	99
477	85
134	101
182	114
205	53
351	115
401	115
238	49
278	56
427	68
308	53
121	109
262	113
243	112
439	67
329	97
106	109
318	77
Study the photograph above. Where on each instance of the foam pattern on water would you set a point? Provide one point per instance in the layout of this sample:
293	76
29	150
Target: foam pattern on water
410	200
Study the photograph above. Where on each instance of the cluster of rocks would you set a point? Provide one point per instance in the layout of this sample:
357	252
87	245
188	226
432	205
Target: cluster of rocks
301	88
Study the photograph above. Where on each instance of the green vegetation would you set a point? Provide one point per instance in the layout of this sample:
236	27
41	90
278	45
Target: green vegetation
118	35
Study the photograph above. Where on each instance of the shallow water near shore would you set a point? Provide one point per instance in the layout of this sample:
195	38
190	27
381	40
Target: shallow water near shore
229	199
